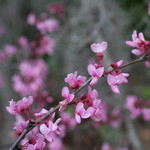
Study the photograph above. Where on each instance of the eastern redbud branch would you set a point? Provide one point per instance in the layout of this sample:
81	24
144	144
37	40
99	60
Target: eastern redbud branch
32	124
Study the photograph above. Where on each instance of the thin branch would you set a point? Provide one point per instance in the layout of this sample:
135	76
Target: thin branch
31	124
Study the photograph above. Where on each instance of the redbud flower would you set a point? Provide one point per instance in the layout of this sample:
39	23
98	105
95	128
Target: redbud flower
75	81
134	105
146	114
20	124
80	112
96	72
99	47
22	106
116	79
139	42
106	146
117	64
50	130
68	98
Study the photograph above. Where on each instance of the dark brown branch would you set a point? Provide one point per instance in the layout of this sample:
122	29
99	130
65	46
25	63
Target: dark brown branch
31	124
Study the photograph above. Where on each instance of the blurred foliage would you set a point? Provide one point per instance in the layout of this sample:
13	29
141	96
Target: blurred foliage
136	10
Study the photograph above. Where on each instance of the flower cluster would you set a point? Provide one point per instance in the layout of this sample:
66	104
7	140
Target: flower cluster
142	46
136	107
31	78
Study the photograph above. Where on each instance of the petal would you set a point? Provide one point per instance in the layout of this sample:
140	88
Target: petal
100	71
99	47
65	92
147	63
115	89
131	43
134	35
136	52
86	115
44	129
77	118
79	107
94	81
141	36
70	98
111	79
119	63
91	69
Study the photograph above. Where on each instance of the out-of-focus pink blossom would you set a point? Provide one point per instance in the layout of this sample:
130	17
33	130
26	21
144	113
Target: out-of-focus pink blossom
32	77
75	81
20	124
23	42
67	120
106	146
147	64
115	118
96	71
35	68
139	42
31	19
56	144
134	105
45	46
48	25
10	50
146	114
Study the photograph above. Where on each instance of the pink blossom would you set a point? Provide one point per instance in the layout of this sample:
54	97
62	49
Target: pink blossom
146	114
45	46
34	141
32	77
48	25
117	64
10	50
12	107
95	71
22	106
23	42
115	118
139	42
67	120
35	68
106	146
99	47
31	19
50	130
147	64
41	113
134	105
56	144
80	112
68	98
116	79
75	81
20	124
